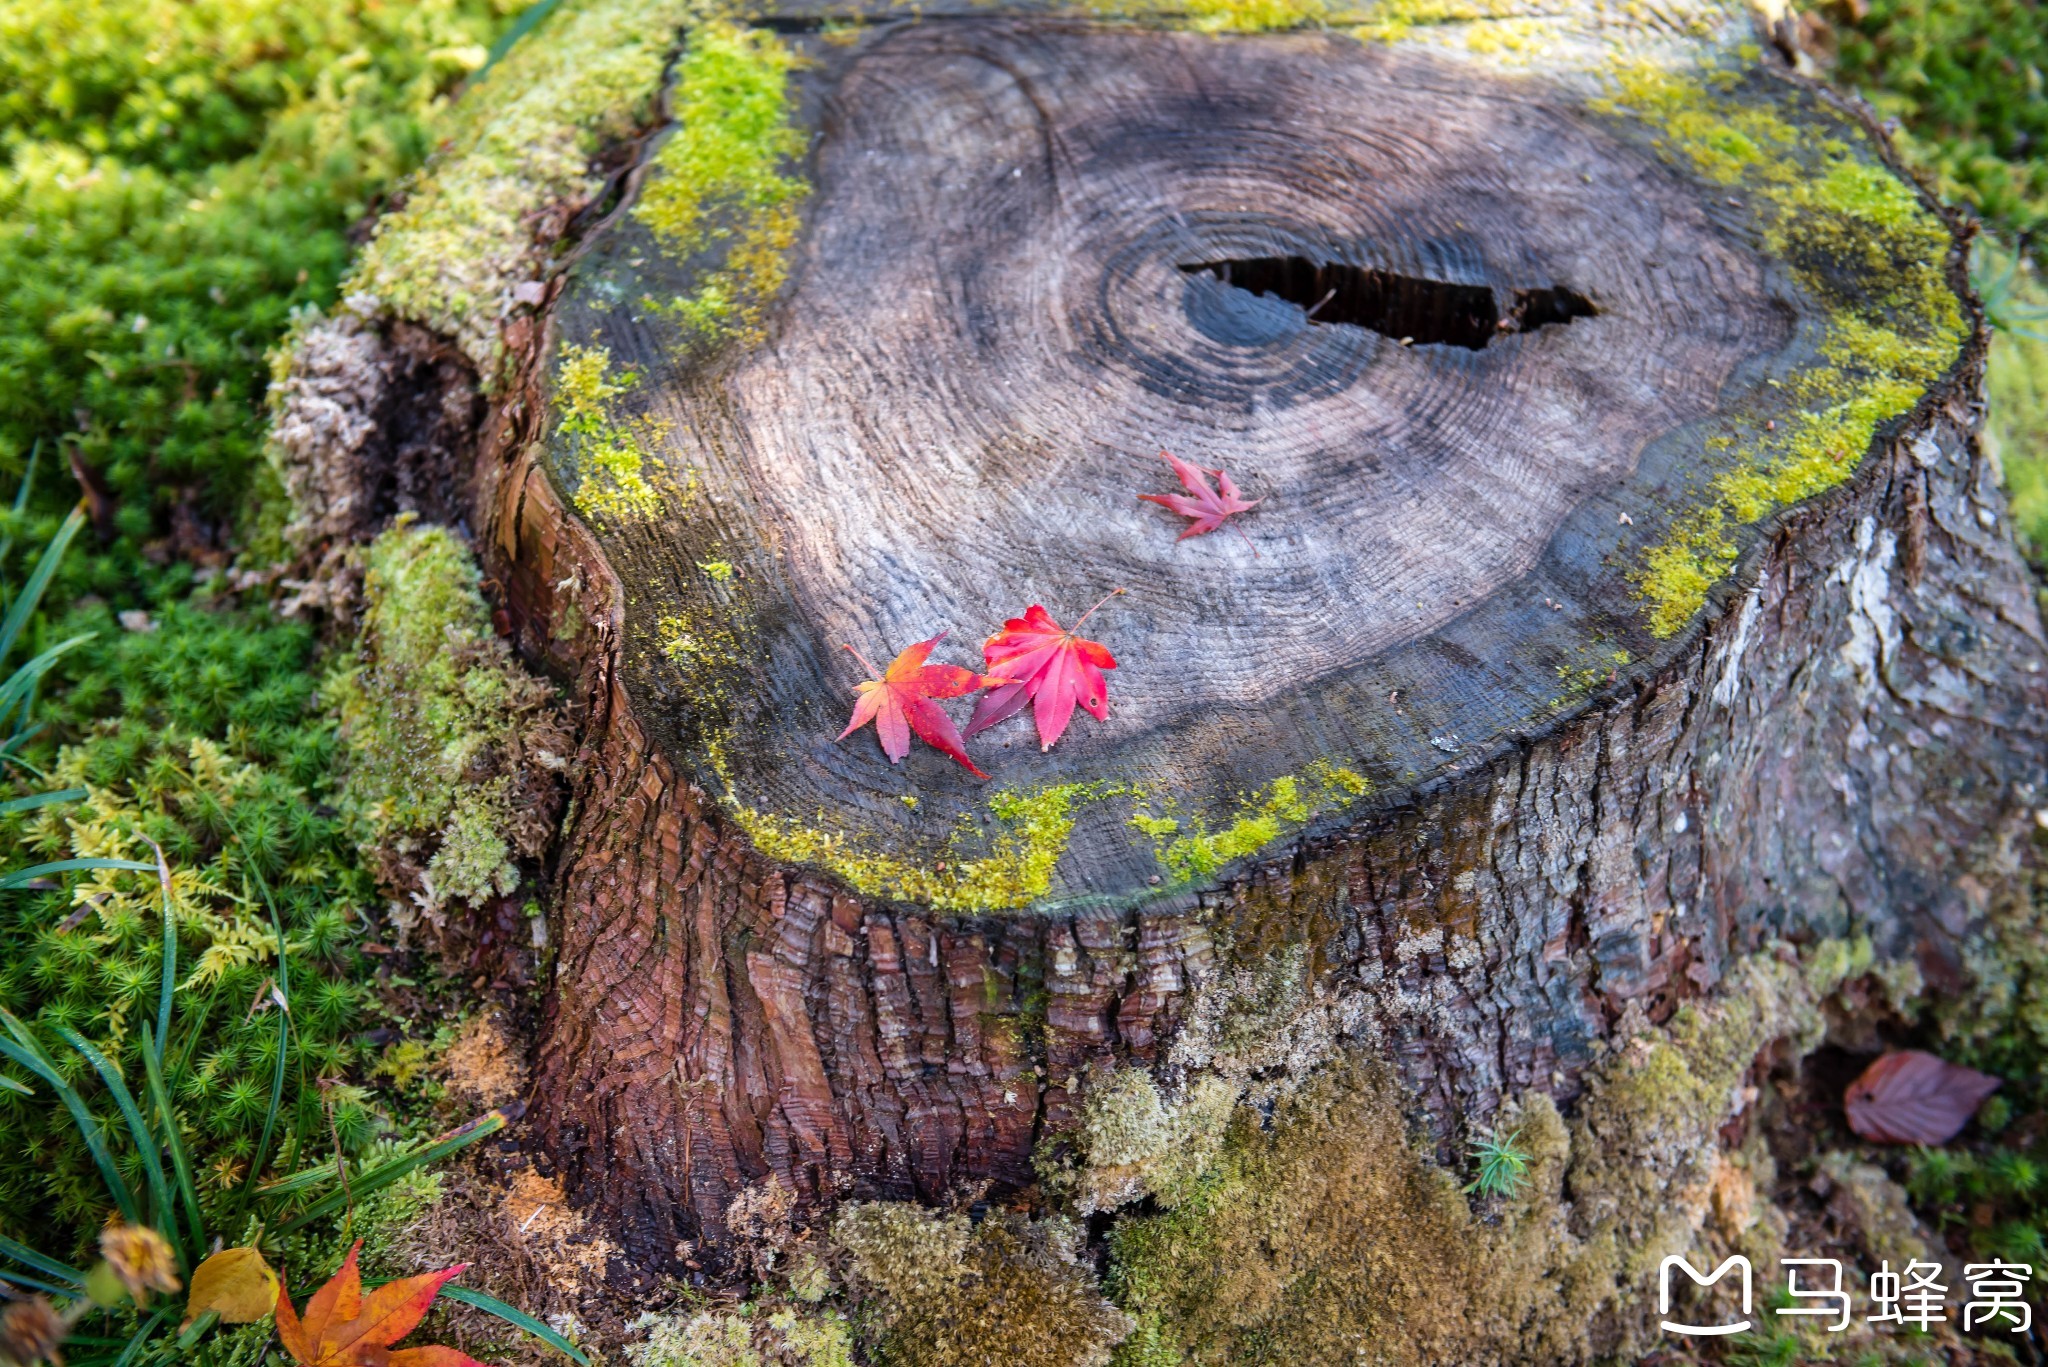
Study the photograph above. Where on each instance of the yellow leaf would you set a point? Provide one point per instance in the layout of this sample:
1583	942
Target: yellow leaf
234	1283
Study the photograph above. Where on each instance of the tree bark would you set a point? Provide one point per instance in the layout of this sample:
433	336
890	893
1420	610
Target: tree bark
1476	338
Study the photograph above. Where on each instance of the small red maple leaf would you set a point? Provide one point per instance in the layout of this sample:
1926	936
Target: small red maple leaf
899	701
1209	507
1034	658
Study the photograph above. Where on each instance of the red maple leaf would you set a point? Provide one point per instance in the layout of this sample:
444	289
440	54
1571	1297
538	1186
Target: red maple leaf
1209	507
899	702
1034	658
344	1328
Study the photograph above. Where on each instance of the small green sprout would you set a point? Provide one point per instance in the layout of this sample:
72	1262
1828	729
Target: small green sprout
1503	1164
721	570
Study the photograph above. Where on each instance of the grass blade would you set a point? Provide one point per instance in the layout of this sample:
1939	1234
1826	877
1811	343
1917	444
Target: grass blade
41	1262
39	579
34	800
529	19
33	1284
284	1037
28	479
146	1142
141	1339
24	1049
8	1084
518	1318
23	877
188	1192
169	974
21	684
384	1174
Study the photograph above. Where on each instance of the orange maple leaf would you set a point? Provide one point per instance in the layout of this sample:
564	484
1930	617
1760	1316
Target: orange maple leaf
344	1328
899	701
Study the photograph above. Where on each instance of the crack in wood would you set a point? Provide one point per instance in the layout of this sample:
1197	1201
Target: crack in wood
1413	310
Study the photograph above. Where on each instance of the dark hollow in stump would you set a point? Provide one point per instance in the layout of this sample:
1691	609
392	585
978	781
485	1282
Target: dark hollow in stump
1491	352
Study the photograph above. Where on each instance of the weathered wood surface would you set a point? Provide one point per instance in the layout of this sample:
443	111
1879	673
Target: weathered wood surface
1846	742
1000	313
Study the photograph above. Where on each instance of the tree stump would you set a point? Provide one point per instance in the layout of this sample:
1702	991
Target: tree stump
1626	590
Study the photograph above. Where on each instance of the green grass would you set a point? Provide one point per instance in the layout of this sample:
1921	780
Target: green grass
201	737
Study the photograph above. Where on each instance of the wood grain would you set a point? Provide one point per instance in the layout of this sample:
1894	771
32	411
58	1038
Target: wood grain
993	328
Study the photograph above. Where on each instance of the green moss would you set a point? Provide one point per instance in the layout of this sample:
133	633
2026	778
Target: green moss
1862	246
1013	868
1965	78
175	181
443	734
201	735
1131	1142
1390	21
604	455
1190	851
518	144
720	181
2016	428
944	1292
721	570
1317	1231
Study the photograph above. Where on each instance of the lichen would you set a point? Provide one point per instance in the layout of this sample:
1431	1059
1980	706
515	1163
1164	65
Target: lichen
1132	1142
1390	21
752	1334
721	180
945	1292
1012	868
1861	245
448	746
604	453
517	145
1188	850
1227	16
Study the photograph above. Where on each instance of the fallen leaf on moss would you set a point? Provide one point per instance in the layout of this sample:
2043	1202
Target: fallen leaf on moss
344	1328
1910	1097
235	1284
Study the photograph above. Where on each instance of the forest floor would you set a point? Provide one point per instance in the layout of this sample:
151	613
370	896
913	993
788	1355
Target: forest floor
351	781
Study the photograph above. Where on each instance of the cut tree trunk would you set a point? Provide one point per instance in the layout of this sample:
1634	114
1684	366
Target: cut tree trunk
1506	705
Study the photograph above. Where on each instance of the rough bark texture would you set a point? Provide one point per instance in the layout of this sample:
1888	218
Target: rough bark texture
1854	746
1848	743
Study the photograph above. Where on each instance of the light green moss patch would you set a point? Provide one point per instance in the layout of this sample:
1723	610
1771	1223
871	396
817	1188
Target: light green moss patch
764	1334
516	145
1132	1142
721	181
1188	850
1317	1230
604	454
1861	244
1013	868
2016	428
1226	16
944	1293
443	734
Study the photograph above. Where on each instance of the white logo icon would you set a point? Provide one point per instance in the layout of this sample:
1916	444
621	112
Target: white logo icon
1664	1293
